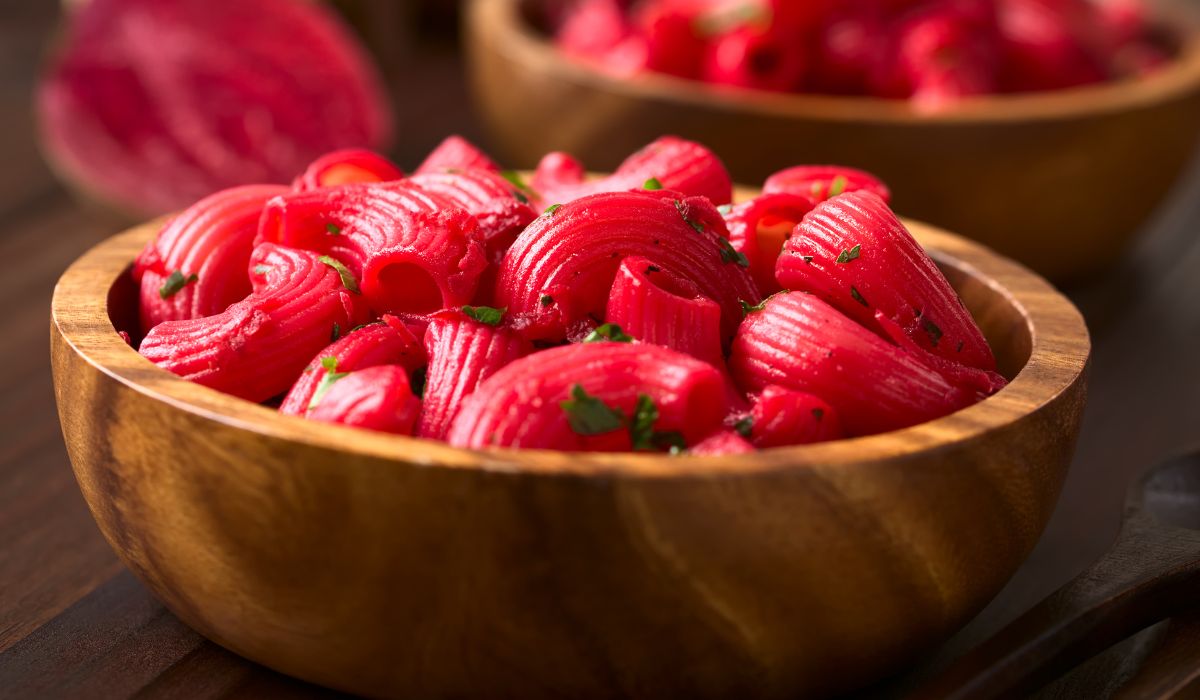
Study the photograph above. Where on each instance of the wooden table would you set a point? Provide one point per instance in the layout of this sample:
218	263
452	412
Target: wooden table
74	623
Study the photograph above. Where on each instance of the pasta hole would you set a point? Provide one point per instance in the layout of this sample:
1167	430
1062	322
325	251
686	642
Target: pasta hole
405	286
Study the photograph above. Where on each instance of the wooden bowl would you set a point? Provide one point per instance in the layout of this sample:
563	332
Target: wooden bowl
1060	181
394	566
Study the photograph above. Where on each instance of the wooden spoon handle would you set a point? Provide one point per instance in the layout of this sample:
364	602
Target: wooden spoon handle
1151	573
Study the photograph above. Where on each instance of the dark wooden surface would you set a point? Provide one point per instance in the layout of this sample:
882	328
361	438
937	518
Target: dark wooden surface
73	623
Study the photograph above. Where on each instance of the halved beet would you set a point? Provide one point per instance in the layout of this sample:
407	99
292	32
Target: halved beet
150	105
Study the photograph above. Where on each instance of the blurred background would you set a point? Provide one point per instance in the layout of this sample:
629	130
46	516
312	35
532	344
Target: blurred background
61	588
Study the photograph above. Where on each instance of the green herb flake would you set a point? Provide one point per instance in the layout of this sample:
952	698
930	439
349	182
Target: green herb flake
641	429
175	282
838	186
588	415
485	314
748	308
744	425
326	384
515	179
679	206
857	297
670	440
931	329
551	209
547	300
261	270
329	363
609	332
335	333
642	433
729	254
847	256
807	258
818	413
333	229
960	347
652	184
347	276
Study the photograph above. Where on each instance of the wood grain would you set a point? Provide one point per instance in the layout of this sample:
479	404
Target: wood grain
310	548
1059	181
1150	574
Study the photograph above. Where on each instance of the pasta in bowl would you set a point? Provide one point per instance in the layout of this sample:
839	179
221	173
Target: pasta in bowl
306	545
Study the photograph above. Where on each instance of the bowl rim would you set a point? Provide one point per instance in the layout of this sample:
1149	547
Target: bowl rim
524	44
1058	360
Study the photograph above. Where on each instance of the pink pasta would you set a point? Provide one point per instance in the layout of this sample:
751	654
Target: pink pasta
758	229
589	397
463	352
409	250
632	314
388	342
786	417
656	306
257	347
500	207
377	398
350	166
196	266
670	162
821	182
854	253
801	343
558	273
722	443
456	153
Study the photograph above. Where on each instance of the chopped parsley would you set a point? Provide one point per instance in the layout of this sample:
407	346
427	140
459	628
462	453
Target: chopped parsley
838	186
547	300
333	229
744	425
818	413
588	415
485	314
857	297
652	184
348	280
642	432
960	346
336	333
608	332
848	255
175	282
262	269
807	258
331	377
641	429
931	329
748	308
679	206
729	254
515	179
551	209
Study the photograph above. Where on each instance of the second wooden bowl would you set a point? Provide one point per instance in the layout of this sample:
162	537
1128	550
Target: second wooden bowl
391	566
1060	181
